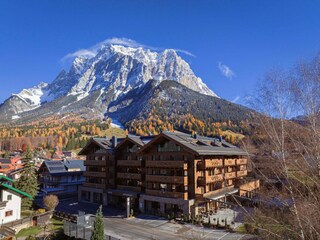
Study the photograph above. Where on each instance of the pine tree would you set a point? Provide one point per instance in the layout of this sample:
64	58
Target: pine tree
98	228
28	180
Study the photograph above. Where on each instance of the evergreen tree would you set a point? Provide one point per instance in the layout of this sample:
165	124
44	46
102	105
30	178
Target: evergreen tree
28	180
98	228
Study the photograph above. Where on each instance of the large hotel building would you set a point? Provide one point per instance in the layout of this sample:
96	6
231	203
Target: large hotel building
169	172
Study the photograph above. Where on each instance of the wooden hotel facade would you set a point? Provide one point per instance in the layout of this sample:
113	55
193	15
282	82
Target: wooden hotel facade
170	172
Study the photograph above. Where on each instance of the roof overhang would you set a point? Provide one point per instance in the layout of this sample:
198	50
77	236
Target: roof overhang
91	141
128	139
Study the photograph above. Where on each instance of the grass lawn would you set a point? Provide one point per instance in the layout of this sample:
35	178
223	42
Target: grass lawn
29	231
55	225
114	132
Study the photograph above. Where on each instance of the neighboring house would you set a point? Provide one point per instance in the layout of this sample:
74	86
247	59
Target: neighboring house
10	204
169	172
9	165
61	178
69	155
57	155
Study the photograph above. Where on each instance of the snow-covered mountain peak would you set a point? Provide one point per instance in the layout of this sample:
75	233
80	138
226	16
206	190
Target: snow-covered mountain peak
114	70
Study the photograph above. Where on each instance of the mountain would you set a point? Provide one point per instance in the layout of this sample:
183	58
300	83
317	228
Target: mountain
173	102
122	82
170	98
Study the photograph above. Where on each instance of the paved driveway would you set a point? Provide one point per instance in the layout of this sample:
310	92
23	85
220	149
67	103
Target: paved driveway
149	227
146	227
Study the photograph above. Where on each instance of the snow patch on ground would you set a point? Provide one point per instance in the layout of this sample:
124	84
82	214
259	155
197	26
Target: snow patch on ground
15	117
116	124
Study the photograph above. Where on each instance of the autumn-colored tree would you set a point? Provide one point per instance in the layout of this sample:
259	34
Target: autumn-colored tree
50	202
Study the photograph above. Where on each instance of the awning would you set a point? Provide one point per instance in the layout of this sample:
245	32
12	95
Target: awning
222	193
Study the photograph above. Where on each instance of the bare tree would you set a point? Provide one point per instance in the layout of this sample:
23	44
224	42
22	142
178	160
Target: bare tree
293	210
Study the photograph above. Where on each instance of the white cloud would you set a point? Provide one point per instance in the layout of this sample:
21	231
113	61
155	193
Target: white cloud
92	51
82	52
185	52
236	99
226	71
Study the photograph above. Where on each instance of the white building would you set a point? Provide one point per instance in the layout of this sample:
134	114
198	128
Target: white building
10	204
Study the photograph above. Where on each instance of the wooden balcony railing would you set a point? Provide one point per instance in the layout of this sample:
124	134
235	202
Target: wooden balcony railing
135	176
212	163
167	179
129	188
230	175
95	163
95	174
230	162
129	163
94	185
214	178
242	161
242	173
167	164
159	193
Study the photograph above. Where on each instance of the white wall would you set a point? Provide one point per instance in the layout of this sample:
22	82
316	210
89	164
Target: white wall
13	205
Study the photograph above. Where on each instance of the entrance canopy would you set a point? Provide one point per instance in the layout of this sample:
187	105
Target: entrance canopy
221	193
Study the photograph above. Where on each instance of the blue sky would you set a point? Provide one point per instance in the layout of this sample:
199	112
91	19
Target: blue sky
234	42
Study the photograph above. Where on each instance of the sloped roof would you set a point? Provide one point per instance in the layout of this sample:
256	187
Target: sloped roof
74	164
104	143
200	145
16	190
132	138
136	139
55	166
4	179
5	161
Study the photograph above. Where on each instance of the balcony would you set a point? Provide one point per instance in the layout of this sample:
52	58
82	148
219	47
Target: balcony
230	175
95	163
214	178
135	176
159	193
242	161
230	162
212	163
95	174
129	188
94	185
167	164
129	163
167	179
242	173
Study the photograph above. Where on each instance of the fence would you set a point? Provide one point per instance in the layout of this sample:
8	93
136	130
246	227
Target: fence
82	231
33	220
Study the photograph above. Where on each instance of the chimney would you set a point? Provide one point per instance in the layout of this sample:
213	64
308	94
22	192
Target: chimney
195	135
114	141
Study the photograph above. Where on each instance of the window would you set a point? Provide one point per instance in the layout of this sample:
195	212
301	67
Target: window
163	186
8	213
9	197
163	171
